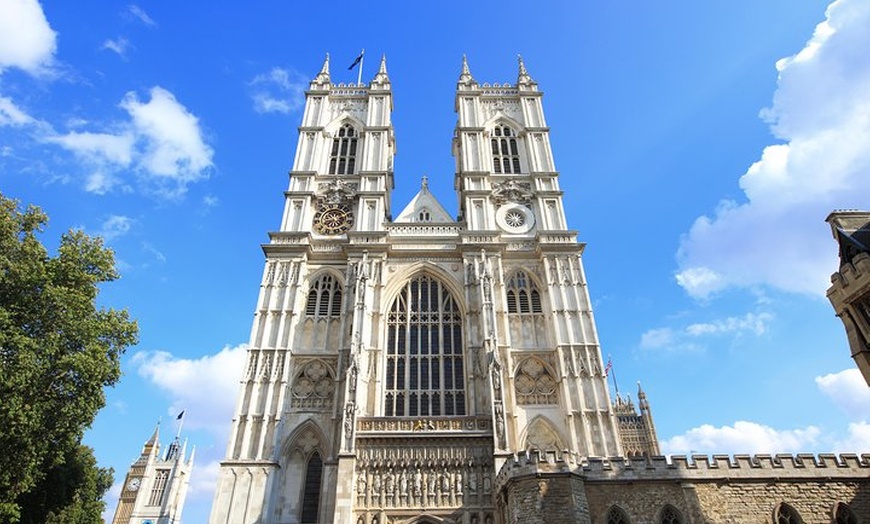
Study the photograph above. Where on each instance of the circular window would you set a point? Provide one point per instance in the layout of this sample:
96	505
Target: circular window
515	218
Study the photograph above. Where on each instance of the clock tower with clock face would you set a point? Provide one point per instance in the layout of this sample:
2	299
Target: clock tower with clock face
155	486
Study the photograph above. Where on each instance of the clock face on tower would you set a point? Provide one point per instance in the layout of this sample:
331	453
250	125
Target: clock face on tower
333	219
133	484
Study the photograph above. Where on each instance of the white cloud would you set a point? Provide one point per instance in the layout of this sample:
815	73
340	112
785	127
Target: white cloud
115	226
822	112
12	115
26	39
278	91
162	142
205	388
174	148
118	46
690	337
138	13
742	437
848	390
858	440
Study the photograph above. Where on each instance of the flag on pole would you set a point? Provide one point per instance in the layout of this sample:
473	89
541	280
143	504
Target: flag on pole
357	60
180	415
608	366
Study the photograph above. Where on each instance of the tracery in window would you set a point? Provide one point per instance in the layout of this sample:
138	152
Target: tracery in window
424	216
505	153
324	298
342	157
786	514
844	514
159	487
311	489
615	515
425	371
534	383
670	515
526	319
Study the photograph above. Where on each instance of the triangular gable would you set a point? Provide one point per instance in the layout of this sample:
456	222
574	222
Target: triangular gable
424	207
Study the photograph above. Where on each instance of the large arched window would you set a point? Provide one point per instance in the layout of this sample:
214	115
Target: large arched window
311	489
424	374
615	515
522	294
844	514
670	515
786	514
324	298
505	153
342	157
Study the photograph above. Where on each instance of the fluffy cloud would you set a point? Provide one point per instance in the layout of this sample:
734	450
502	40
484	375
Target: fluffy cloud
278	91
742	437
26	39
690	337
822	113
848	390
115	226
162	141
12	115
205	388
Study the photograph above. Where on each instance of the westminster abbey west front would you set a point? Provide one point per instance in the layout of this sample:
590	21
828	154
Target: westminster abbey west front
420	368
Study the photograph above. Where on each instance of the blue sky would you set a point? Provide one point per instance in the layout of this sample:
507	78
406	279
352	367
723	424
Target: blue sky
700	145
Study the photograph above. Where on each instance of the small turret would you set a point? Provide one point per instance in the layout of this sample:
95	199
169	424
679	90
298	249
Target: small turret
322	79
381	77
523	78
465	77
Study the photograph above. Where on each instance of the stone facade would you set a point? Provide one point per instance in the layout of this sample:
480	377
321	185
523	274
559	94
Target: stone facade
850	285
398	367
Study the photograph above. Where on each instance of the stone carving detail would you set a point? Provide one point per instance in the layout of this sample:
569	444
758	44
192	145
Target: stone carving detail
336	192
494	106
313	386
434	475
534	383
441	424
512	191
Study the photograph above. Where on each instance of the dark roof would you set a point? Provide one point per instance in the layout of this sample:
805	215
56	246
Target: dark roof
853	243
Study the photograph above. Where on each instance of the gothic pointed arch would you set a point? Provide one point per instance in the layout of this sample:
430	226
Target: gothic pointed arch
307	438
843	514
505	145
424	358
616	515
423	267
524	305
541	434
345	134
786	514
670	515
324	296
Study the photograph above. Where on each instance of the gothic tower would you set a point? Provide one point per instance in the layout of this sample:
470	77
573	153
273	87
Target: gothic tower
155	488
396	364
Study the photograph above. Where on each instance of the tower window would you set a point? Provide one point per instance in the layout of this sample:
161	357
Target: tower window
425	369
424	216
670	515
844	514
159	487
324	298
522	294
311	490
505	153
342	157
615	515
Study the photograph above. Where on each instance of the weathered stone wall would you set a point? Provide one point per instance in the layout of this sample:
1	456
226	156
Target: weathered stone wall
721	489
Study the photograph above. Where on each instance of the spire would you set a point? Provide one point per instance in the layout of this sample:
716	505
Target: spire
523	78
465	76
153	443
323	76
381	76
641	398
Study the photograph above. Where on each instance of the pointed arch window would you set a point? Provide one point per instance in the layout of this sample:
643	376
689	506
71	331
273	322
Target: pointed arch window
342	157
425	369
670	515
505	153
615	515
324	298
786	514
844	514
311	489
523	296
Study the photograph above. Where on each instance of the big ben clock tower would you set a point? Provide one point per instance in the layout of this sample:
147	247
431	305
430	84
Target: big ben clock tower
155	487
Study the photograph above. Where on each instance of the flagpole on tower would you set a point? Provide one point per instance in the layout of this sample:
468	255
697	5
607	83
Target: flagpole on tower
362	56
180	419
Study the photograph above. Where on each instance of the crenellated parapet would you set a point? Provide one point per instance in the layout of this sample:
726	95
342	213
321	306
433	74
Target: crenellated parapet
695	468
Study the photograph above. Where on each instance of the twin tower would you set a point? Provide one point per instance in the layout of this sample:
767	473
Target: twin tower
397	360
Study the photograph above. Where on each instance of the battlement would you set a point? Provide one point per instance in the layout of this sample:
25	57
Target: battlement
696	468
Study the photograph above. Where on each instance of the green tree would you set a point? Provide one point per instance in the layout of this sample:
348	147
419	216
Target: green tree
58	351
